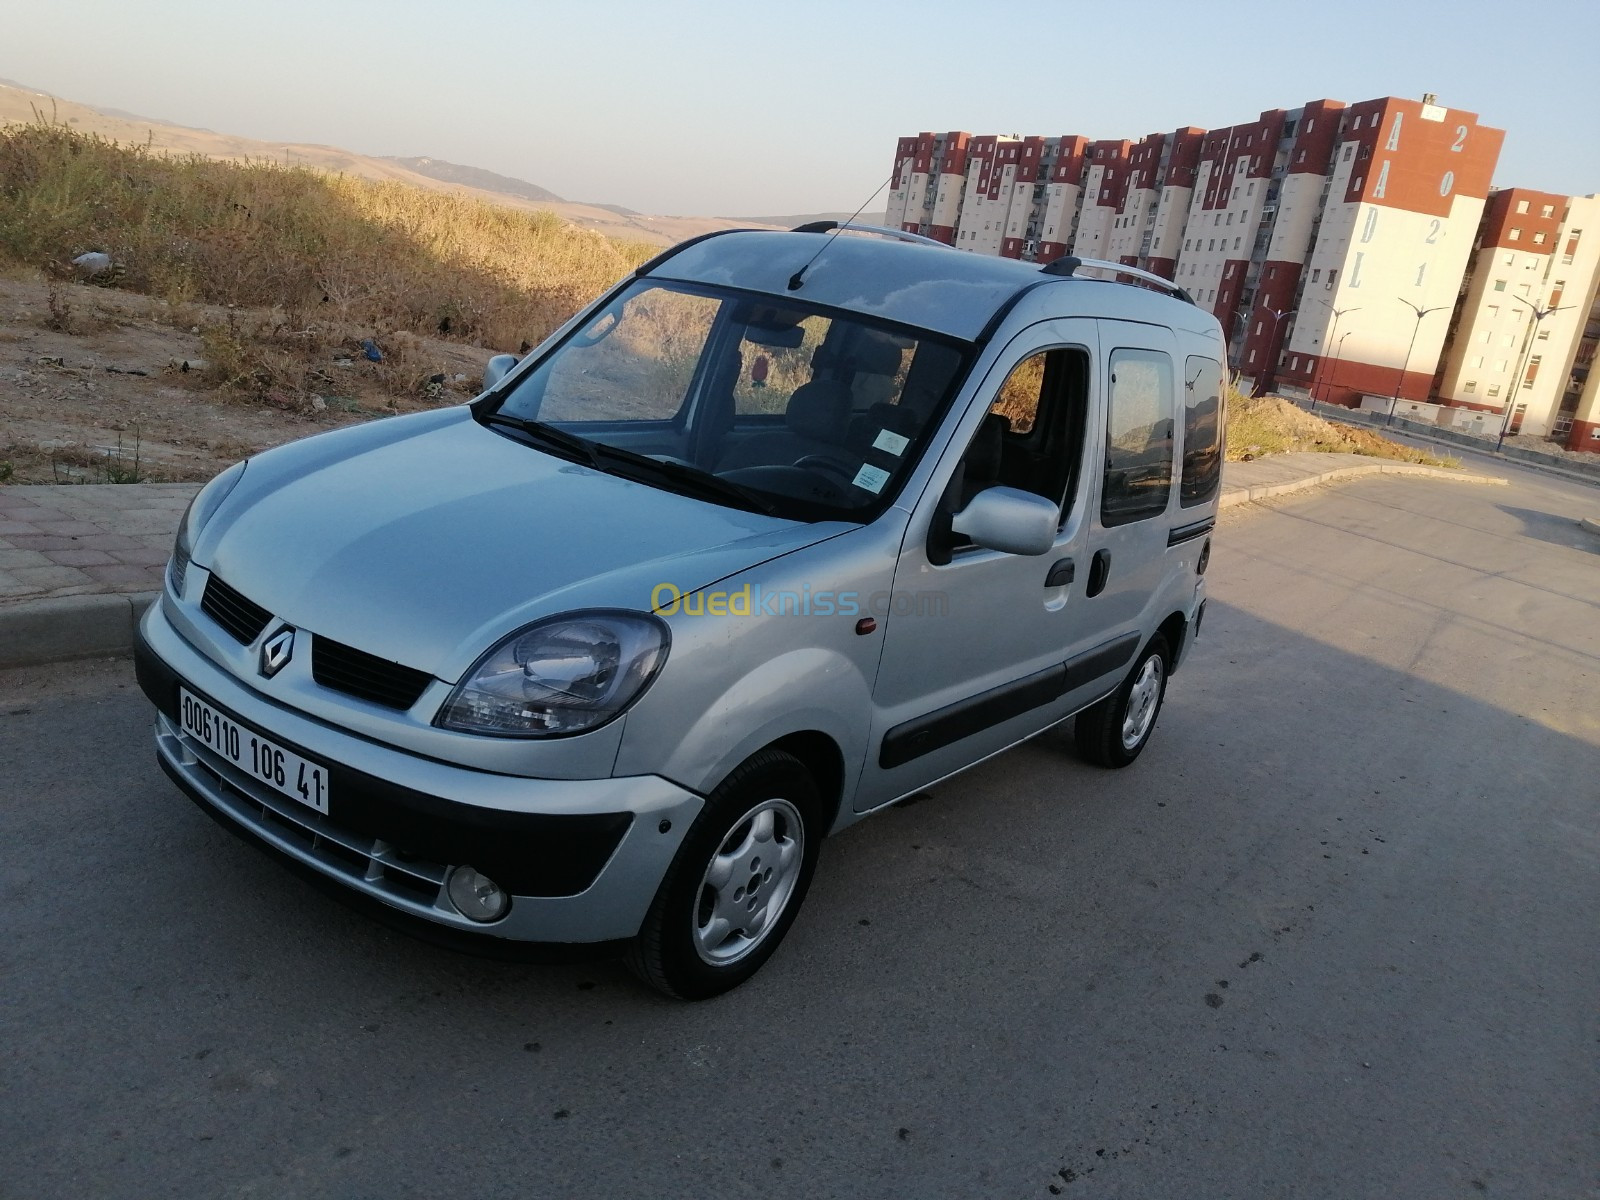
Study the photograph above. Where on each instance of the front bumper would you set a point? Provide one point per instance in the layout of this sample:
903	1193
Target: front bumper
581	859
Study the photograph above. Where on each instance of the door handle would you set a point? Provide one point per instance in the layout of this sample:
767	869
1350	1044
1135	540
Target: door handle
1061	574
1099	571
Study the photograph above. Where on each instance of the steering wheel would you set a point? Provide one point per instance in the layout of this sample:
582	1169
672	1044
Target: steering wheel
824	462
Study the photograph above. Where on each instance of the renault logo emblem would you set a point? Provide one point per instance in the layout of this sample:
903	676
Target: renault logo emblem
276	651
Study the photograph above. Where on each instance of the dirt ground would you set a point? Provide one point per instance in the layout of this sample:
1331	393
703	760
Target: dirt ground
93	387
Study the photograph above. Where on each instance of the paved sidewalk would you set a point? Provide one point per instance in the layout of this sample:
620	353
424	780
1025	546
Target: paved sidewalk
78	563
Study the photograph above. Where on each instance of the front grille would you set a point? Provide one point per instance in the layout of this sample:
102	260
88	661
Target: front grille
365	676
243	619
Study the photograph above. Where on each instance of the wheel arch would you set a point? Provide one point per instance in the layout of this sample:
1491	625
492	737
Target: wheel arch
1175	629
823	757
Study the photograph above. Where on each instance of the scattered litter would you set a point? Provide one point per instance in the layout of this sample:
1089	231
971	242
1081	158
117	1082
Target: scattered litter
370	349
186	365
93	263
51	362
344	362
318	404
126	371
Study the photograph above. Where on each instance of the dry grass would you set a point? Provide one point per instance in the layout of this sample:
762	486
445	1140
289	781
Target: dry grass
334	258
1271	425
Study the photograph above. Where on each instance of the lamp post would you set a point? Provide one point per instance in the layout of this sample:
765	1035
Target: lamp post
1406	365
1337	313
1333	372
1538	314
1265	380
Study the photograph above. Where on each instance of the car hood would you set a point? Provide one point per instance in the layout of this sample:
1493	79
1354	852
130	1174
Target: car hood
424	540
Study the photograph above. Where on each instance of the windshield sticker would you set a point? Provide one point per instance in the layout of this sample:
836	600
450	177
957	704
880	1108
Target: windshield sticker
892	442
871	478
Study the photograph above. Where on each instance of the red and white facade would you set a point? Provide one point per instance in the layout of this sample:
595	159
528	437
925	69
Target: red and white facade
1334	242
1520	332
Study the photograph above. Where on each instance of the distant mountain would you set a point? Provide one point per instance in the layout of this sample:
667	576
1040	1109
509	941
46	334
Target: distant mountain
477	177
615	208
789	222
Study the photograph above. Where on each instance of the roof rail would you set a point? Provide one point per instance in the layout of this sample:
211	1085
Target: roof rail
1066	267
881	230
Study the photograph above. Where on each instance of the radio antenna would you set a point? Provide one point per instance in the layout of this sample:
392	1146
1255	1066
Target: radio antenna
799	277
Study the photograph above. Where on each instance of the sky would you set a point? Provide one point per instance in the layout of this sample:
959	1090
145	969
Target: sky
710	108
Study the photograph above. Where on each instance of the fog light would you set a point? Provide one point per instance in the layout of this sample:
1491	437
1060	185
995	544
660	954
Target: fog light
476	896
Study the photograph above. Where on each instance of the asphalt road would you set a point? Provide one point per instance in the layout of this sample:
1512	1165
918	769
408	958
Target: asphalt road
1334	935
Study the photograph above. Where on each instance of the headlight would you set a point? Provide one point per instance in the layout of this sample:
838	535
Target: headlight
200	510
564	675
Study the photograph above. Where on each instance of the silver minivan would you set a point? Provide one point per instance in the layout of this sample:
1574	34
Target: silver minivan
780	530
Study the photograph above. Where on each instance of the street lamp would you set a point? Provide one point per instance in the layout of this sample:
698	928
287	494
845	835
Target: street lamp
1337	313
1406	365
1538	315
1265	380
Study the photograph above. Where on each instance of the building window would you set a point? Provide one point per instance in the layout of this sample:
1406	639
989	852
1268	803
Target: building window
1470	386
1538	239
1500	365
1547	210
1514	235
1522	206
1495	390
1478	362
1332	275
1349	149
1316	275
1499	285
1533	371
1543	335
1253	353
1235	243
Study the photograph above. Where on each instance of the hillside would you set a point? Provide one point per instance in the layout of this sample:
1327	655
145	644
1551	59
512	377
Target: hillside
20	104
477	177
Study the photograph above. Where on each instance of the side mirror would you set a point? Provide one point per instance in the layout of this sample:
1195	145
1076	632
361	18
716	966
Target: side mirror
1009	520
497	369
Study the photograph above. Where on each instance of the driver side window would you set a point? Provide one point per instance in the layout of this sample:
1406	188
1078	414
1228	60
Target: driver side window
1032	437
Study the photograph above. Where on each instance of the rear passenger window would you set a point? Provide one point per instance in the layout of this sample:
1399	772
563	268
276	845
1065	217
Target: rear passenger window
1202	431
1140	417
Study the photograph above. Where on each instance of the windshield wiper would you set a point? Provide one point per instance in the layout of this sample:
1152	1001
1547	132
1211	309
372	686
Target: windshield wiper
685	478
548	437
680	477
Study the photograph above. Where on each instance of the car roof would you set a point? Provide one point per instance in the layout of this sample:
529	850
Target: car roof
927	287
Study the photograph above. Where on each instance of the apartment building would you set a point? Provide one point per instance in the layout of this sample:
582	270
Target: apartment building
1330	239
1522	333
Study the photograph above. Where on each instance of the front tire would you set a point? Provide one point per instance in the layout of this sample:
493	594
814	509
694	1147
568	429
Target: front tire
1113	732
736	883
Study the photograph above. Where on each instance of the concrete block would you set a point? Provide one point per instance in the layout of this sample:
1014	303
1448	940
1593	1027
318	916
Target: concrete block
43	631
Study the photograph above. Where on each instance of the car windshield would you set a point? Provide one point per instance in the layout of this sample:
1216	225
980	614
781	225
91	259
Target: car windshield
804	412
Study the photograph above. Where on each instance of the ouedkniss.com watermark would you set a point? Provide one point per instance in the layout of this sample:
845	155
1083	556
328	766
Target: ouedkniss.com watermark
752	600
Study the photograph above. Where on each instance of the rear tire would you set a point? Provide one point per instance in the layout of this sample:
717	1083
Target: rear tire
1113	732
736	883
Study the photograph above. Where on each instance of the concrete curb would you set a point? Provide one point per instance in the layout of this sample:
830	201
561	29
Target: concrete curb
1592	524
46	631
1233	496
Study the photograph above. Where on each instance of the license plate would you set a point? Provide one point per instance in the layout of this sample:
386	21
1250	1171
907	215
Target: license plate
257	756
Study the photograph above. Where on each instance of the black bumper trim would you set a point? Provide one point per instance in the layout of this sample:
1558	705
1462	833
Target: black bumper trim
527	854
